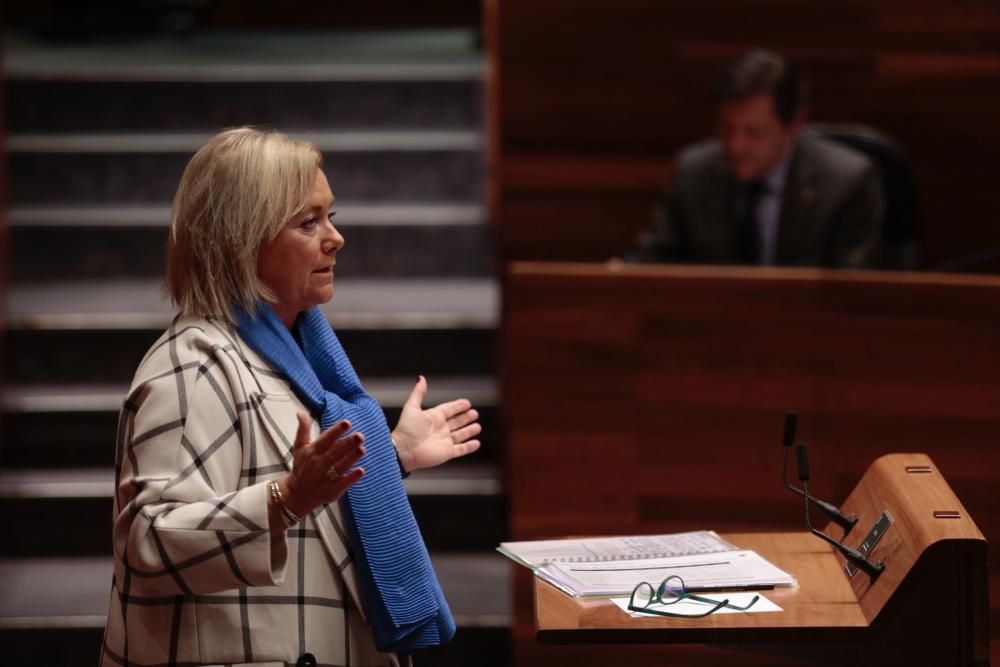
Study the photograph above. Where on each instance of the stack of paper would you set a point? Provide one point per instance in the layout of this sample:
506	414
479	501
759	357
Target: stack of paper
726	571
536	553
613	566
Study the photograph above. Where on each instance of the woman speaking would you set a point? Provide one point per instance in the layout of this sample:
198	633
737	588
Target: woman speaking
260	516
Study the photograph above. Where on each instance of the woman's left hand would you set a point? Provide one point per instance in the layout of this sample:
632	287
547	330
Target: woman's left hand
426	438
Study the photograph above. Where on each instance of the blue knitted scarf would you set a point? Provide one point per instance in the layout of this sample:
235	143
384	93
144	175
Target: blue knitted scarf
400	593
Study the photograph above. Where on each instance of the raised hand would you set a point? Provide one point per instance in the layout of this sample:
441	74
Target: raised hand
322	470
426	438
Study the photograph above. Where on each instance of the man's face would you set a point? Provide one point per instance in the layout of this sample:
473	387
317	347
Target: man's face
754	139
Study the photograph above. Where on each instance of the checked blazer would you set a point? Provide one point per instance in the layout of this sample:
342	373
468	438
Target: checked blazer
206	423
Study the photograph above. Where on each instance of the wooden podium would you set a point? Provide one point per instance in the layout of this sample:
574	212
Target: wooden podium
677	378
928	607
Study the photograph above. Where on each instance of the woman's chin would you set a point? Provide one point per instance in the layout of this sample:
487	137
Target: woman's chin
325	295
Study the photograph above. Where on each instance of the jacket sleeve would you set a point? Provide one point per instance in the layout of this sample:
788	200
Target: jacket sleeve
665	240
184	523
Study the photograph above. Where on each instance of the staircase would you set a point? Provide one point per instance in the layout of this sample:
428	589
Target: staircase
97	138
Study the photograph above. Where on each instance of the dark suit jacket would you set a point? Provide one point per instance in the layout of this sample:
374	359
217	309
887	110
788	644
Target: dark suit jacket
831	211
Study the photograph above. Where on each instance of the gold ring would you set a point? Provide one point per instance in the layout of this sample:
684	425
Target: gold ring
333	473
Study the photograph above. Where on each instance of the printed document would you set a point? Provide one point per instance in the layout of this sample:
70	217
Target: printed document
730	570
535	554
696	608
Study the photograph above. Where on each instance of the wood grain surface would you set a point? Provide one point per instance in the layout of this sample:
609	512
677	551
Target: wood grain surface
928	606
652	399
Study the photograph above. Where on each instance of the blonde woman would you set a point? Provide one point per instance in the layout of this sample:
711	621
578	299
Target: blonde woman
259	513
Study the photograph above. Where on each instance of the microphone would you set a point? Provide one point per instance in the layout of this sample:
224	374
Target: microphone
791	423
831	511
873	570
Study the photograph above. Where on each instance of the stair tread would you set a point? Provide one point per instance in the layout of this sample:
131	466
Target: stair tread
390	392
359	303
339	141
459	478
73	592
349	215
252	56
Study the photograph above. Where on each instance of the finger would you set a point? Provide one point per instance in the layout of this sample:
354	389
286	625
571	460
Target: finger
464	448
346	446
303	430
334	491
348	459
463	419
347	480
331	435
455	408
463	434
417	395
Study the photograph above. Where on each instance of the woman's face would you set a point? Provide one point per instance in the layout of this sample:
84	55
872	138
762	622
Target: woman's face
298	263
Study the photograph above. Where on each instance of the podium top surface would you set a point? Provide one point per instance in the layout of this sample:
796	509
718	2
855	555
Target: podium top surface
823	606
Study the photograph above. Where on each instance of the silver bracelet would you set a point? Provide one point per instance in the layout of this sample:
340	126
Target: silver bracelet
403	472
288	517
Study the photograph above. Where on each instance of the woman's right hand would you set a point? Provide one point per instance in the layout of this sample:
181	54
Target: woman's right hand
321	472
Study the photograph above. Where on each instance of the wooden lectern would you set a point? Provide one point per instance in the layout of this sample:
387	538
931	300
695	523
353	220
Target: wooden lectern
677	378
928	607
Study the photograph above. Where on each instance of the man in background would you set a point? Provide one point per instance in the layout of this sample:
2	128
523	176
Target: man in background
766	191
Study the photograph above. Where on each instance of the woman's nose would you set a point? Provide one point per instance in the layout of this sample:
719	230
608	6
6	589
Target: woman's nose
333	239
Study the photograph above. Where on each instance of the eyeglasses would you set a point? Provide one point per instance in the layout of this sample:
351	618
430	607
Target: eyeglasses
671	591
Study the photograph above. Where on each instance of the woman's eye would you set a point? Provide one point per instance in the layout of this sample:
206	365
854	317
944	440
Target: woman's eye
329	216
308	223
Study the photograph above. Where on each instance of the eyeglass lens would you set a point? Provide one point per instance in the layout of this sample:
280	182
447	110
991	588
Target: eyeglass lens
643	595
671	589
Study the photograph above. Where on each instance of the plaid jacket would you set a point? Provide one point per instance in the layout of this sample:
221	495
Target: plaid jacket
197	581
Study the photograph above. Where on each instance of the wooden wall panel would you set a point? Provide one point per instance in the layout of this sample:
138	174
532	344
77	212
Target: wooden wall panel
4	243
597	83
652	399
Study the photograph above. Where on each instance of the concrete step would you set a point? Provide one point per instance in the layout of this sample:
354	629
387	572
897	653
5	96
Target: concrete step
34	594
57	243
142	168
353	214
316	55
447	303
67	426
435	327
80	647
53	355
349	103
459	507
53	609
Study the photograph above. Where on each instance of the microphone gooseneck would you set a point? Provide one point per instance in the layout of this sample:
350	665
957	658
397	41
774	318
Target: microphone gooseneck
873	570
832	511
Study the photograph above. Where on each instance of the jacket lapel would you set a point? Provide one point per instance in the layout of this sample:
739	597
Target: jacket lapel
276	408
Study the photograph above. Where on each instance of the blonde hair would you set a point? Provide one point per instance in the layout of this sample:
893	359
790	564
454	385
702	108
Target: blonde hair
236	193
